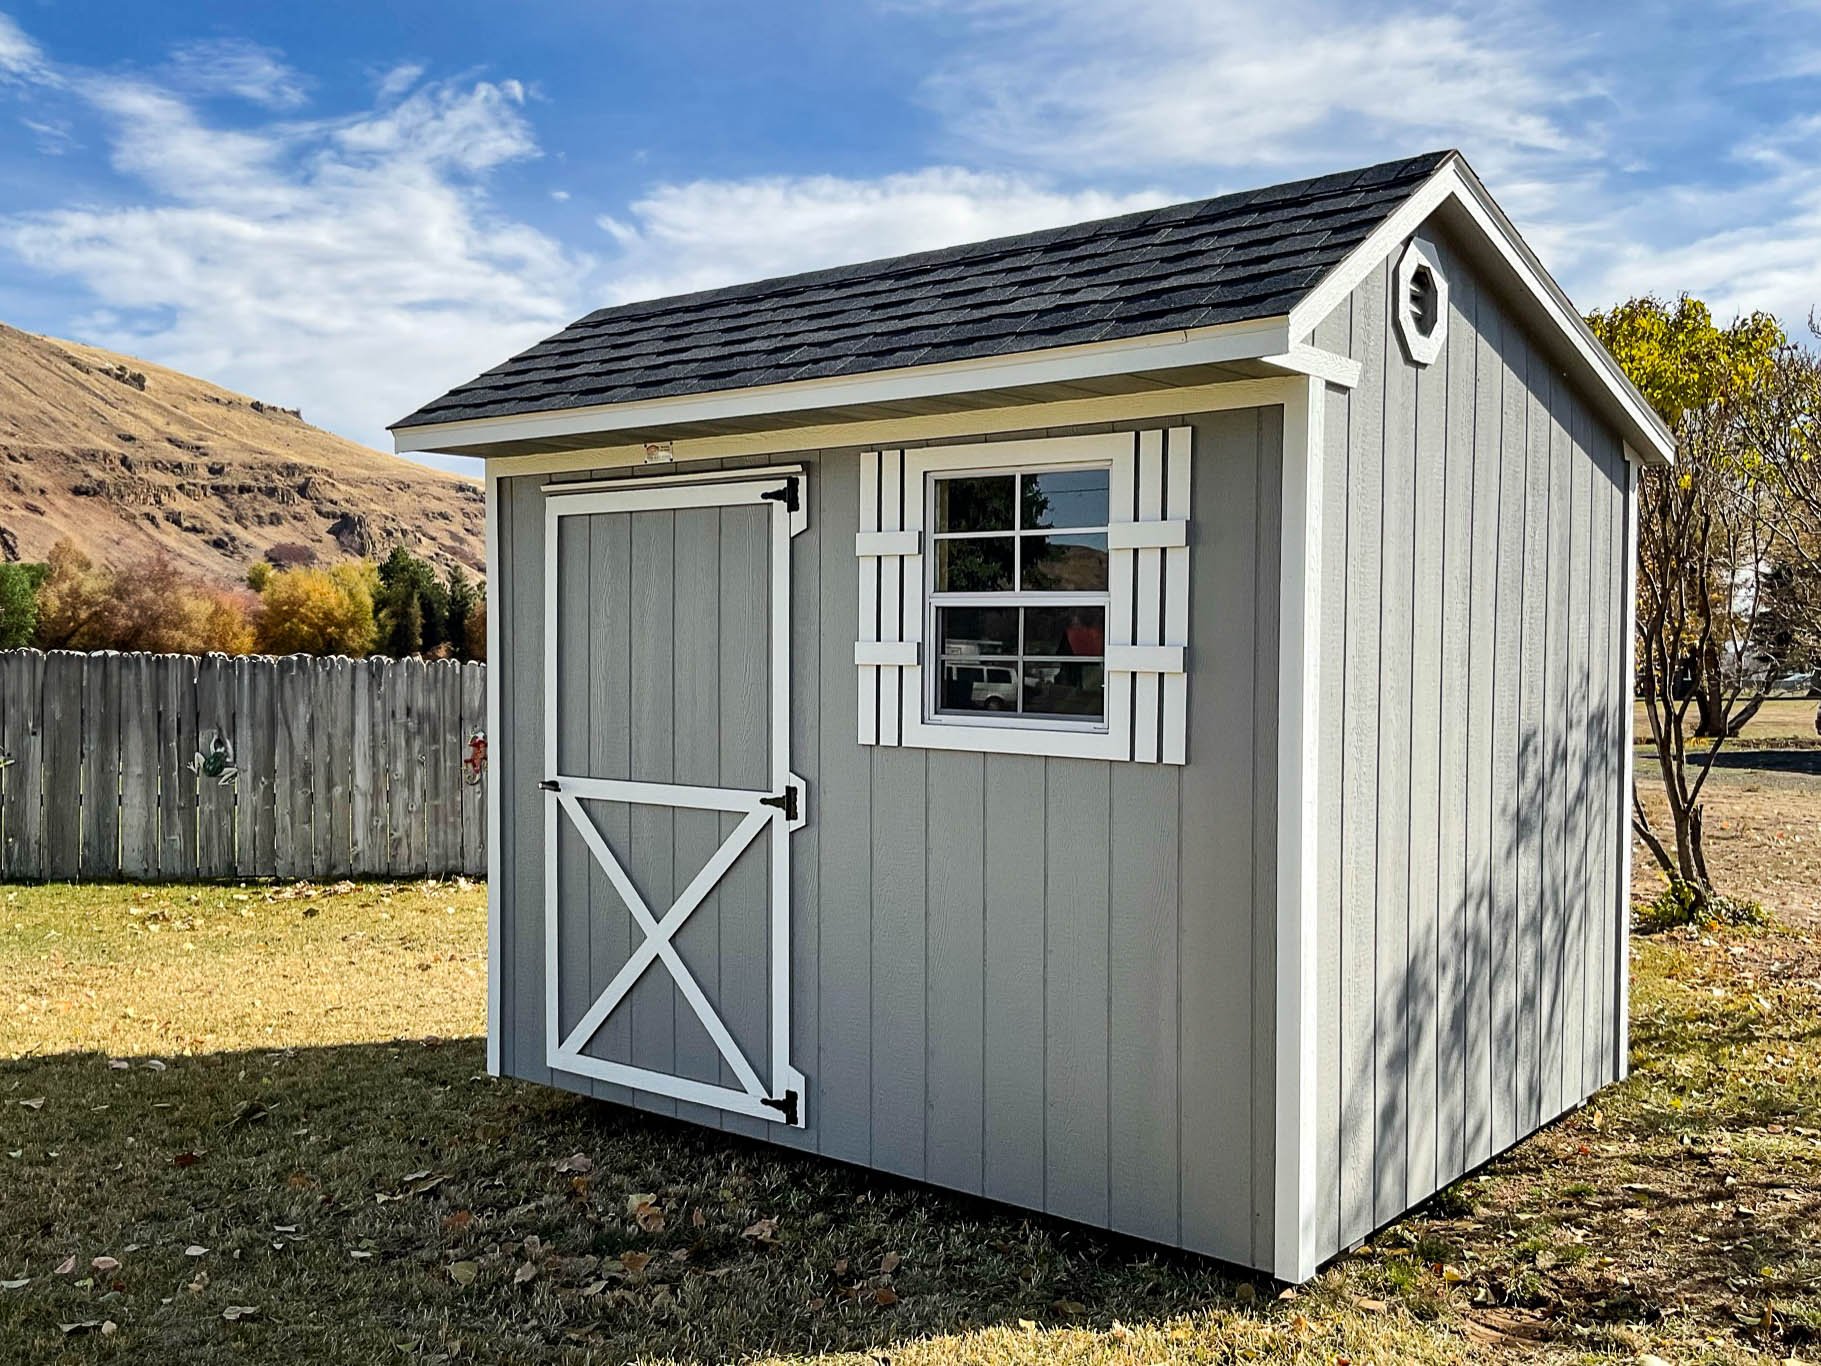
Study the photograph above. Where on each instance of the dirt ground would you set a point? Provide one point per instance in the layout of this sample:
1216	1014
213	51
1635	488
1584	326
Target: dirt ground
1763	831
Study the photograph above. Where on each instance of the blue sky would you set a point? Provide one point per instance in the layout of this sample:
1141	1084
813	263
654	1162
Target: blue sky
350	207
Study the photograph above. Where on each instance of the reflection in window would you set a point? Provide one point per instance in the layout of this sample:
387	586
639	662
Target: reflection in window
1019	593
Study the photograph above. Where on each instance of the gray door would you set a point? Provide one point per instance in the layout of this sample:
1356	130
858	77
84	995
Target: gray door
669	798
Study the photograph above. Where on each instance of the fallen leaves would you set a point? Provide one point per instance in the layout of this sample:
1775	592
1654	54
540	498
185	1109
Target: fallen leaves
186	1159
527	1272
35	1103
195	1250
578	1163
233	1313
635	1262
643	1209
463	1273
103	1265
762	1233
106	1327
67	1265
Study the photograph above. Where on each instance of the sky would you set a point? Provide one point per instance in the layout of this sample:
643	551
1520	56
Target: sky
350	208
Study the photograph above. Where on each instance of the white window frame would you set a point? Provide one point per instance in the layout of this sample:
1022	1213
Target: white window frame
1422	347
1145	717
1012	597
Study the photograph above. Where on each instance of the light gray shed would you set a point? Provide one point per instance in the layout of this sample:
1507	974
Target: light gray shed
1129	720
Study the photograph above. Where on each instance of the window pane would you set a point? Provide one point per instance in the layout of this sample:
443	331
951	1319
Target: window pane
976	631
982	565
1065	498
1065	631
988	685
1057	564
1064	689
980	503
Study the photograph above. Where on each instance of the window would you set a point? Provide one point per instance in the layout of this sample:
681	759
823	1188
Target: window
1018	593
1421	302
1026	596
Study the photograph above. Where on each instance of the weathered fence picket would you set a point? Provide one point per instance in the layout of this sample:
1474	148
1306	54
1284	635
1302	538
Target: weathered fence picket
168	767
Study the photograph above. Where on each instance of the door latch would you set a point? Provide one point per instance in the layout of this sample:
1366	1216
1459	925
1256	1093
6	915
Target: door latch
785	801
785	1105
786	495
549	785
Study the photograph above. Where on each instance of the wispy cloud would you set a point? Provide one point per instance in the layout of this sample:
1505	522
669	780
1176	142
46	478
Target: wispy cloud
353	265
20	57
715	232
230	66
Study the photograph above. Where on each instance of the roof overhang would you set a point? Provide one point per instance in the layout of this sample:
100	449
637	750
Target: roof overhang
1456	199
1254	349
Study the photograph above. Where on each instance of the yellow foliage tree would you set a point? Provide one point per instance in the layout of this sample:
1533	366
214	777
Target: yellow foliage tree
318	611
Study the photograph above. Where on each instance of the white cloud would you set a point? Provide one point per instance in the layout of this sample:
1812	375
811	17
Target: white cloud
709	232
1081	84
354	266
20	57
230	66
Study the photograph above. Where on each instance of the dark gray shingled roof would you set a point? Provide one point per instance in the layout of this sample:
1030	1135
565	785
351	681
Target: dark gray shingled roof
1240	256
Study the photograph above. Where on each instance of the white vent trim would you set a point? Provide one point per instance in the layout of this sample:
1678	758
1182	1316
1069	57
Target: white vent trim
1147	619
1423	347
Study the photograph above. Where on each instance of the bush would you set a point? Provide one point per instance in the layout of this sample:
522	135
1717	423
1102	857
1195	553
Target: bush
318	612
1677	907
18	604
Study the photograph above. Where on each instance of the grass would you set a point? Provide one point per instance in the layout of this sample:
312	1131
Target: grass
1779	721
268	1117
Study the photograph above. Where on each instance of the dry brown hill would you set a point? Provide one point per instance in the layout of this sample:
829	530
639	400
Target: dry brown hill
125	458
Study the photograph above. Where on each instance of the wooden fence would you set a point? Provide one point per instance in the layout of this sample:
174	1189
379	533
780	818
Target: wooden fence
173	767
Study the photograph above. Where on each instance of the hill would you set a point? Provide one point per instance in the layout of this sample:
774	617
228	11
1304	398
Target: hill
126	458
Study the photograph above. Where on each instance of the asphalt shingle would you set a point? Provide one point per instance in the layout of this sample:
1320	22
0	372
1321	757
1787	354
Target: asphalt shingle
1228	259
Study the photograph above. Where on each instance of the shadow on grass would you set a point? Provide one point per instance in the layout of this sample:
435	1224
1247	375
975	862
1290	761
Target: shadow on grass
376	1196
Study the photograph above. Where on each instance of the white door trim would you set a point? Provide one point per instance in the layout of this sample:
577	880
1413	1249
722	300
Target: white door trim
779	807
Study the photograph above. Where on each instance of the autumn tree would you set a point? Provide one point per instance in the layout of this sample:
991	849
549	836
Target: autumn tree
1706	526
318	611
75	602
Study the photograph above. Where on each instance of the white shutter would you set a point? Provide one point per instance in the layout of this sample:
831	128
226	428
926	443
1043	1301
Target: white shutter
891	597
1147	617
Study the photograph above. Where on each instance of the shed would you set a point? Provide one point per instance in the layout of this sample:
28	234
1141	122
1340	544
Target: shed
1127	720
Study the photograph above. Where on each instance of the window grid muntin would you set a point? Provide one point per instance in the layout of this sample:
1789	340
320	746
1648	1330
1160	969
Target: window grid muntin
1015	597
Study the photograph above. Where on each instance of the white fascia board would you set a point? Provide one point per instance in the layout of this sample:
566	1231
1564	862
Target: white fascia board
1454	183
1255	339
496	925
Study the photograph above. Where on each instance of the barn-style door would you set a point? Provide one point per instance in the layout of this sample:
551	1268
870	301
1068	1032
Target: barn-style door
669	799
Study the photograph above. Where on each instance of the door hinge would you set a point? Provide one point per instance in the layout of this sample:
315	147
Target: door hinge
786	495
786	1105
549	785
785	801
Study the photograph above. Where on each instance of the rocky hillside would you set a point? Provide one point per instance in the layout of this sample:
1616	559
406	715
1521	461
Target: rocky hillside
126	458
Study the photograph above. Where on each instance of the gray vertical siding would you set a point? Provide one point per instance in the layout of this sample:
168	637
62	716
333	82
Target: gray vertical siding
1041	980
1470	708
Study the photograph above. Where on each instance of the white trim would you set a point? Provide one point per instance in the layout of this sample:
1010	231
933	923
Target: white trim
893	432
1306	359
1622	1063
566	792
1251	339
899	653
1298	731
1148	535
1178	448
888	543
645	481
1145	659
1421	347
1454	184
496	925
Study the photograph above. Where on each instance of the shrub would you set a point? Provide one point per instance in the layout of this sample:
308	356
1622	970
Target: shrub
18	604
318	611
1677	907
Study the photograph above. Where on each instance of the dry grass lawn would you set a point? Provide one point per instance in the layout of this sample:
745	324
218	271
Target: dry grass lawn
252	1127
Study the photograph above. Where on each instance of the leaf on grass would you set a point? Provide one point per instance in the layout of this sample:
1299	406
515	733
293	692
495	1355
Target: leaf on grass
764	1232
635	1262
884	1295
592	1289
1370	1306
154	1064
194	1250
525	1273
576	1162
646	1212
1072	1308
67	1265
104	1265
186	1159
359	1253
200	1284
86	1326
15	1285
890	1263
698	1219
249	1112
118	1064
463	1273
458	1220
1453	1275
35	1103
235	1312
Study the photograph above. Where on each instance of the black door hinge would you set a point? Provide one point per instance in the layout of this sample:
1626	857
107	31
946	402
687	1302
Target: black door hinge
548	785
786	1105
786	495
785	801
